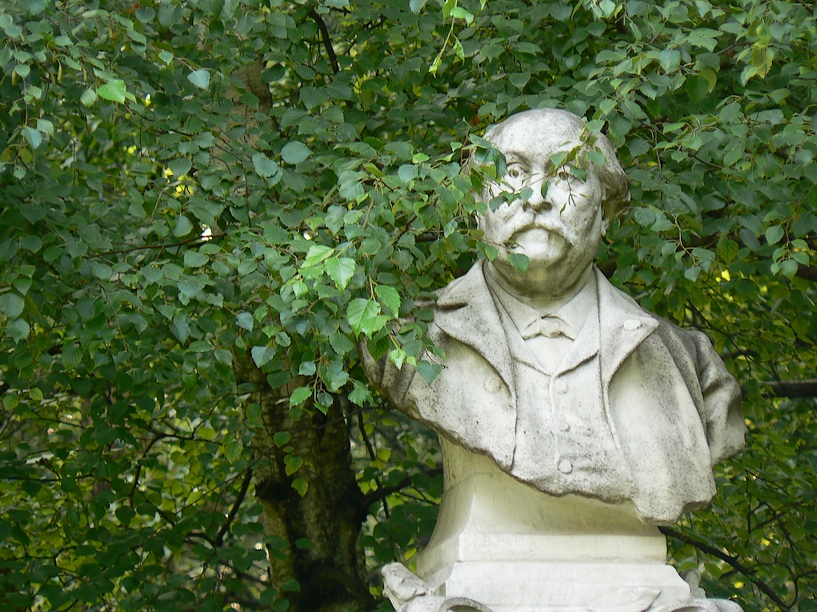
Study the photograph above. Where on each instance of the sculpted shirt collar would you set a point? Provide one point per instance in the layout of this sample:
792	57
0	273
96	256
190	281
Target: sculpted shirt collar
573	313
467	311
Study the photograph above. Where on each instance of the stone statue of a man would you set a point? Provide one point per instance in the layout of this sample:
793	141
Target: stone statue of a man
556	376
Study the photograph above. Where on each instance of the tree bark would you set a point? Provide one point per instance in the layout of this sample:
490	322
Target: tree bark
320	531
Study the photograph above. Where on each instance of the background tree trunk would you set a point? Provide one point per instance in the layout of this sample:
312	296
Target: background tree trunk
316	536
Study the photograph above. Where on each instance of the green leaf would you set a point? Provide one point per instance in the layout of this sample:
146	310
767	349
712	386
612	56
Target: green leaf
292	464
307	368
698	88
206	433
403	150
304	544
183	227
232	450
200	78
389	297
12	305
145	14
670	59
194	259
789	267
245	321
88	97
264	166
774	233
359	395
693	273
301	486
113	90
608	7
166	56
340	270
281	438
180	166
429	371
17	329
519	261
417	5
299	396
704	37
295	152
519	79
316	254
45	126
361	315
34	137
262	355
727	249
180	329
596	158
102	271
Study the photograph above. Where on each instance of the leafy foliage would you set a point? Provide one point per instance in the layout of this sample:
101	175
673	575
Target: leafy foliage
194	191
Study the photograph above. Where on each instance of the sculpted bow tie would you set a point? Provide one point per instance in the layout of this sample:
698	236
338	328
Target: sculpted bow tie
548	326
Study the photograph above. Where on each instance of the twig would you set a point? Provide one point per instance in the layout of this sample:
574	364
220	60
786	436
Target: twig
731	560
156	246
138	472
373	457
234	510
384	492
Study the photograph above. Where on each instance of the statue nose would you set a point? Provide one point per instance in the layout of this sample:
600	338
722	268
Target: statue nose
539	199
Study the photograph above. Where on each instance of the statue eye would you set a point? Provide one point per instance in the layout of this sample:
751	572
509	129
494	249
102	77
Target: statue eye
564	174
514	172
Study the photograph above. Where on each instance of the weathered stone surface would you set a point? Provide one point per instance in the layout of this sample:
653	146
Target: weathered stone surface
572	421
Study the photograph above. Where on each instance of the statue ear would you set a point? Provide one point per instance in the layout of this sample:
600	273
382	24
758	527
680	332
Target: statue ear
606	219
605	223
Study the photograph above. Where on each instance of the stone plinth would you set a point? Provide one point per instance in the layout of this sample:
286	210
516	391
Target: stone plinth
516	549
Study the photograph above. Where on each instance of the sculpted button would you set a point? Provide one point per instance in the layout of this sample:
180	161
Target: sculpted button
565	467
492	384
560	386
632	324
564	426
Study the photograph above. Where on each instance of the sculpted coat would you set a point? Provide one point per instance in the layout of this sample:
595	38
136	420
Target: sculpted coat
669	408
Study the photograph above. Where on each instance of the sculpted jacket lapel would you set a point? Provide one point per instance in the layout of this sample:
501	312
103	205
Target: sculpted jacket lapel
466	312
624	326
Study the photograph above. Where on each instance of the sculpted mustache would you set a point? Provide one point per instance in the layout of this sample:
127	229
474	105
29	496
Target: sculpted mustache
549	227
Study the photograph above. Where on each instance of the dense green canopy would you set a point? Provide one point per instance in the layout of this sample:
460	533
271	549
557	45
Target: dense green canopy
208	203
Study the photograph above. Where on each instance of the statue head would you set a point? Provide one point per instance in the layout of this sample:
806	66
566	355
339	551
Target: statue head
562	187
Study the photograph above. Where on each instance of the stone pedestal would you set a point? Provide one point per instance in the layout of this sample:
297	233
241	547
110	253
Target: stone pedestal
515	549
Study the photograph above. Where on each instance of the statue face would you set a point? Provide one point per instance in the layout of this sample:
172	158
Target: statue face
560	225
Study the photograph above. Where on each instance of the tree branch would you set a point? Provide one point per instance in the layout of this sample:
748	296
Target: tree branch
793	388
138	472
234	510
807	272
146	247
731	560
373	457
384	492
327	40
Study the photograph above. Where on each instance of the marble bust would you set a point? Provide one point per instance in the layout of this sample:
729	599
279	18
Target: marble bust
572	420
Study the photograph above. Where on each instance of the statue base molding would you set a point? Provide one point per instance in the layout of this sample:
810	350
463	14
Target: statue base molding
550	587
502	546
564	586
